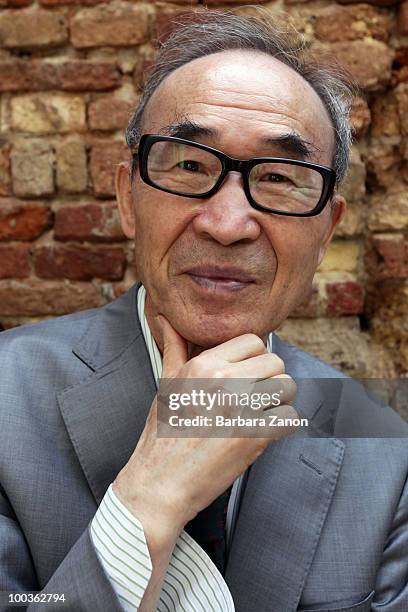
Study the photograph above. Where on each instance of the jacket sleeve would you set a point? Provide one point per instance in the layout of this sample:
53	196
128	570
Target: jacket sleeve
391	591
80	576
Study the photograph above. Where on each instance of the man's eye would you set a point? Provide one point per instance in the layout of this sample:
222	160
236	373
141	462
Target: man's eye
190	165
274	178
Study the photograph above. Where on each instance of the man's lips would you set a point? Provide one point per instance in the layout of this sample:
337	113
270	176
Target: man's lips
225	278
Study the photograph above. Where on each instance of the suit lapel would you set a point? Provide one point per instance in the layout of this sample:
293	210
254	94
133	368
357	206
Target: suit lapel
106	413
286	500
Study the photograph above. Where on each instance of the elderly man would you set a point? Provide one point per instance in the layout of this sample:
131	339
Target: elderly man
238	142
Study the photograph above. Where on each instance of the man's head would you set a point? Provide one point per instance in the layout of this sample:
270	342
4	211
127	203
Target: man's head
218	267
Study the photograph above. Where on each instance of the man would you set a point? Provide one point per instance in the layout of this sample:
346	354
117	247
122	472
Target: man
225	250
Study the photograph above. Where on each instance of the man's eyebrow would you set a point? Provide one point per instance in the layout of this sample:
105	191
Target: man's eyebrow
187	129
292	144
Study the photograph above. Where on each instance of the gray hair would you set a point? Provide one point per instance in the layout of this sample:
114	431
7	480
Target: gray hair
213	31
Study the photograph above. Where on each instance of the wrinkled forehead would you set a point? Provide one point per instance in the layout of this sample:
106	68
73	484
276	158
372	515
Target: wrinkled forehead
243	93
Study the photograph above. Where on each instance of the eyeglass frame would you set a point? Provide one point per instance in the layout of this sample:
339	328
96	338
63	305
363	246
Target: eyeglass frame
244	166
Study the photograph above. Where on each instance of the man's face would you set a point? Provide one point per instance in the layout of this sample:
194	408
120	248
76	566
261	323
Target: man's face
216	267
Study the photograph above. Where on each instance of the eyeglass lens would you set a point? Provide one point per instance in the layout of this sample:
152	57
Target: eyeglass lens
189	170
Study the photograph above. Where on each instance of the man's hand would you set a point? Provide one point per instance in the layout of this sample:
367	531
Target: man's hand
167	481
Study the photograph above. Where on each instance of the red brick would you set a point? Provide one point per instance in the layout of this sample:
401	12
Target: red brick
92	222
114	24
389	257
360	117
403	18
34	297
105	156
194	3
14	261
15	3
75	75
374	2
110	113
357	56
166	19
79	263
5	176
345	297
23	220
26	29
312	306
339	23
71	2
400	66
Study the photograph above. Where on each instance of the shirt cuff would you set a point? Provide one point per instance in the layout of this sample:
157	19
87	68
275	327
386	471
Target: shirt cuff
120	543
192	582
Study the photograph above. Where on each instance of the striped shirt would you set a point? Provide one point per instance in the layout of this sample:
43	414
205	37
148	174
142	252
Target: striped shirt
192	582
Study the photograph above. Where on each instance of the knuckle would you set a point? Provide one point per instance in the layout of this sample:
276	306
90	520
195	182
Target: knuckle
257	342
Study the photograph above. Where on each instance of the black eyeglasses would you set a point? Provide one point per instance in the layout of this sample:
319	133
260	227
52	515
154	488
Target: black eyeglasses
271	184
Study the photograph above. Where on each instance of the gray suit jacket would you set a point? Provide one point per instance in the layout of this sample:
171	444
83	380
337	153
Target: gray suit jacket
323	522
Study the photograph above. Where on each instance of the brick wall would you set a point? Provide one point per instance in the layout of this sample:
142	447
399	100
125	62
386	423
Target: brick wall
69	77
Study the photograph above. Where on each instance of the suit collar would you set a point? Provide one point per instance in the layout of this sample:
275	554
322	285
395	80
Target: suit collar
111	331
105	413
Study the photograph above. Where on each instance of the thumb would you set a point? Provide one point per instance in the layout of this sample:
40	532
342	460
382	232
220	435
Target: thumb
175	350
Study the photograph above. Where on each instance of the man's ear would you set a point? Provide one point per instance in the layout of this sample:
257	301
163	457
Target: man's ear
124	199
338	208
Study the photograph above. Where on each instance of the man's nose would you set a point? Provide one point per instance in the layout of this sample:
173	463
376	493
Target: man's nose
227	216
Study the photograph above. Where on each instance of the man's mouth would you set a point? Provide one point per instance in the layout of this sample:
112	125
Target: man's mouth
220	278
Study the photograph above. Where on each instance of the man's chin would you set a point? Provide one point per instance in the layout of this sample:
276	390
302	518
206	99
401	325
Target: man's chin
206	335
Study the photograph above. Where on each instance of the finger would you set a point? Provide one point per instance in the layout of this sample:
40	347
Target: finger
258	368
175	349
237	349
280	388
285	423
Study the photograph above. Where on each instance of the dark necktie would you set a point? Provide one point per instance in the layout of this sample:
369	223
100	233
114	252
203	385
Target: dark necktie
208	529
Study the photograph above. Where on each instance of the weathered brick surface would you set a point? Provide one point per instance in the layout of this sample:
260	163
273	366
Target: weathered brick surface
5	173
32	169
341	255
353	187
113	24
345	297
39	297
338	23
403	18
94	222
55	3
67	75
15	3
390	319
389	211
70	75
48	113
400	66
28	29
105	156
388	256
14	261
360	117
23	220
357	57
79	262
109	113
72	176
